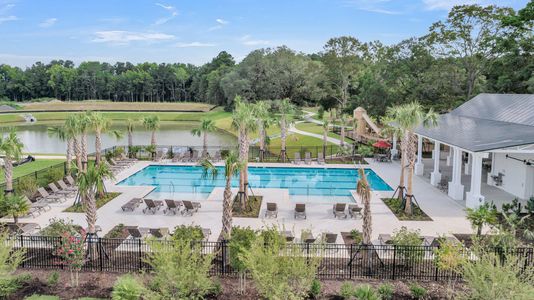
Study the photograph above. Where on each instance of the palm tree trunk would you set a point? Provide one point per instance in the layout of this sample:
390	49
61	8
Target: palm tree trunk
243	173
325	141
227	211
8	174
90	212
205	145
98	146
402	162
153	139
70	148
367	221
408	205
410	156
130	139
342	135
84	150
262	139
78	153
283	139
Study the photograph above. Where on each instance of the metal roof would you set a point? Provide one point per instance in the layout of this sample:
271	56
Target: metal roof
486	122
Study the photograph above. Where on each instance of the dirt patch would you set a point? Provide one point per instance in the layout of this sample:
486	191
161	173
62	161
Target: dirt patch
252	208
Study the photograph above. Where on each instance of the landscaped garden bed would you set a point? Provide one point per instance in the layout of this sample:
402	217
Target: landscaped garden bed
100	201
396	207
252	208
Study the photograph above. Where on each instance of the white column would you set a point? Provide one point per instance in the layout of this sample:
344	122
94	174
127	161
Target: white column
394	150
456	189
467	168
449	157
435	176
419	165
474	197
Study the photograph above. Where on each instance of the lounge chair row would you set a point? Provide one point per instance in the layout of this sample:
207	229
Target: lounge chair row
119	165
170	206
308	159
159	233
300	210
328	238
193	156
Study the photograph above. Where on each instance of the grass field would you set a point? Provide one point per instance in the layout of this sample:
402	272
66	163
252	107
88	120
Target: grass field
108	105
315	128
296	142
31	167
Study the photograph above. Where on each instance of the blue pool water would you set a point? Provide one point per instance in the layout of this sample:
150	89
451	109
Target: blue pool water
302	183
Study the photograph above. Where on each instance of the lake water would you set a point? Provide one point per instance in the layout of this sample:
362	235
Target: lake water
36	139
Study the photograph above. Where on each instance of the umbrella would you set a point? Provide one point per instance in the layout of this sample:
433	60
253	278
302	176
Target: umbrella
382	144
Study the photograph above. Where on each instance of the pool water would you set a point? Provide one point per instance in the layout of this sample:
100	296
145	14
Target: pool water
312	184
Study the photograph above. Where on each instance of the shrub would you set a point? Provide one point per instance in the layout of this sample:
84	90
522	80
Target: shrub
242	239
72	253
188	233
52	175
11	284
315	289
58	227
386	291
26	186
10	259
346	291
365	292
13	206
356	236
483	215
180	271
365	150
417	291
127	287
280	272
407	240
53	278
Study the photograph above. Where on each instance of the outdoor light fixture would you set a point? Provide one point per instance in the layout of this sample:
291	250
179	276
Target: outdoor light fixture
527	162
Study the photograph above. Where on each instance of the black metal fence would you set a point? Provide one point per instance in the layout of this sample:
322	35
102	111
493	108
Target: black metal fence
41	177
337	261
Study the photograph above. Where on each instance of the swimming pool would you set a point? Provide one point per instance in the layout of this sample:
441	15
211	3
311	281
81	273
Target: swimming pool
304	184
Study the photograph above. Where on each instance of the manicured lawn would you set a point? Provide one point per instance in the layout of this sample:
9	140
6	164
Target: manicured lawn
108	105
225	123
31	167
315	128
296	142
78	208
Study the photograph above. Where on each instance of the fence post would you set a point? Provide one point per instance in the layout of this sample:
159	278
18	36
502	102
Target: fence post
64	168
394	261
22	247
139	252
100	254
350	262
223	252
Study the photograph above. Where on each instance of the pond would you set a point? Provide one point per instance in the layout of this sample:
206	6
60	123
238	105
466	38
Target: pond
36	139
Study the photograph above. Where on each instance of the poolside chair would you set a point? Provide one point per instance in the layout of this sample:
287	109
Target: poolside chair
194	156
300	210
320	158
172	206
307	158
206	232
339	210
152	206
132	204
187	156
444	183
329	238
177	157
125	158
138	232
41	206
288	235
190	207
120	164
57	191
159	233
23	228
307	237
62	185
44	195
272	210
70	180
354	211
297	160
385	239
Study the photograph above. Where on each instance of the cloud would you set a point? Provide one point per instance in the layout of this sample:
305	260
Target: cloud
220	24
171	9
6	8
247	40
221	21
4	19
448	4
194	45
375	6
125	37
48	23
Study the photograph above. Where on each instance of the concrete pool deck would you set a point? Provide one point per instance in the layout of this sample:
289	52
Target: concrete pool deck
447	215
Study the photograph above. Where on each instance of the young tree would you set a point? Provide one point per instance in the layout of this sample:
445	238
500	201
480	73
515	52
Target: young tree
285	110
152	124
130	126
91	184
206	126
72	131
408	117
483	215
83	123
14	205
100	124
364	191
244	122
11	147
232	166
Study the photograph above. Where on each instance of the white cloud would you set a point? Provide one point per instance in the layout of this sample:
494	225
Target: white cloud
125	37
48	23
376	6
4	19
448	4
220	24
6	7
247	40
193	45
221	21
171	9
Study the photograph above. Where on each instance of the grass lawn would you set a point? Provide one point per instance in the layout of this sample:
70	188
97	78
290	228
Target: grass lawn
307	144
78	208
31	167
225	123
315	128
108	105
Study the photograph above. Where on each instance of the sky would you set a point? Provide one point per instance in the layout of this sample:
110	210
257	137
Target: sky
195	31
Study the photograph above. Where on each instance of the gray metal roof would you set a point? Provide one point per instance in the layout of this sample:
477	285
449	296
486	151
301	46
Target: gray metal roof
487	122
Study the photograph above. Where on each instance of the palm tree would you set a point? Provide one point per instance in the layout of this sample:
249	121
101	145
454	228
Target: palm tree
264	120
244	122
364	191
130	126
91	184
11	147
232	166
61	133
326	125
408	117
83	124
72	131
152	123
285	110
101	124
206	126
389	131
14	205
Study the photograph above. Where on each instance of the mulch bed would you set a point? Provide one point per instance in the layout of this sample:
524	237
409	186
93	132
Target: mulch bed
252	209
78	208
417	215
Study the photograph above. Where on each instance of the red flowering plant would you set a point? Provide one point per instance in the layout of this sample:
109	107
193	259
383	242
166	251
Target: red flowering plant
72	253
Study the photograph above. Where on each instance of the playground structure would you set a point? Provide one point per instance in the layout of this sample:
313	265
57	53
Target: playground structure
365	129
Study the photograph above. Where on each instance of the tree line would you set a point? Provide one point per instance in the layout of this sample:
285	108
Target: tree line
474	49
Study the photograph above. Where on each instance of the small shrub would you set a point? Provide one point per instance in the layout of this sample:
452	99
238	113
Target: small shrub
127	287
188	233
11	284
407	240
41	297
58	227
72	253
417	291
52	175
356	236
53	279
365	292
315	289
346	291
386	291
26	186
365	150
242	239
